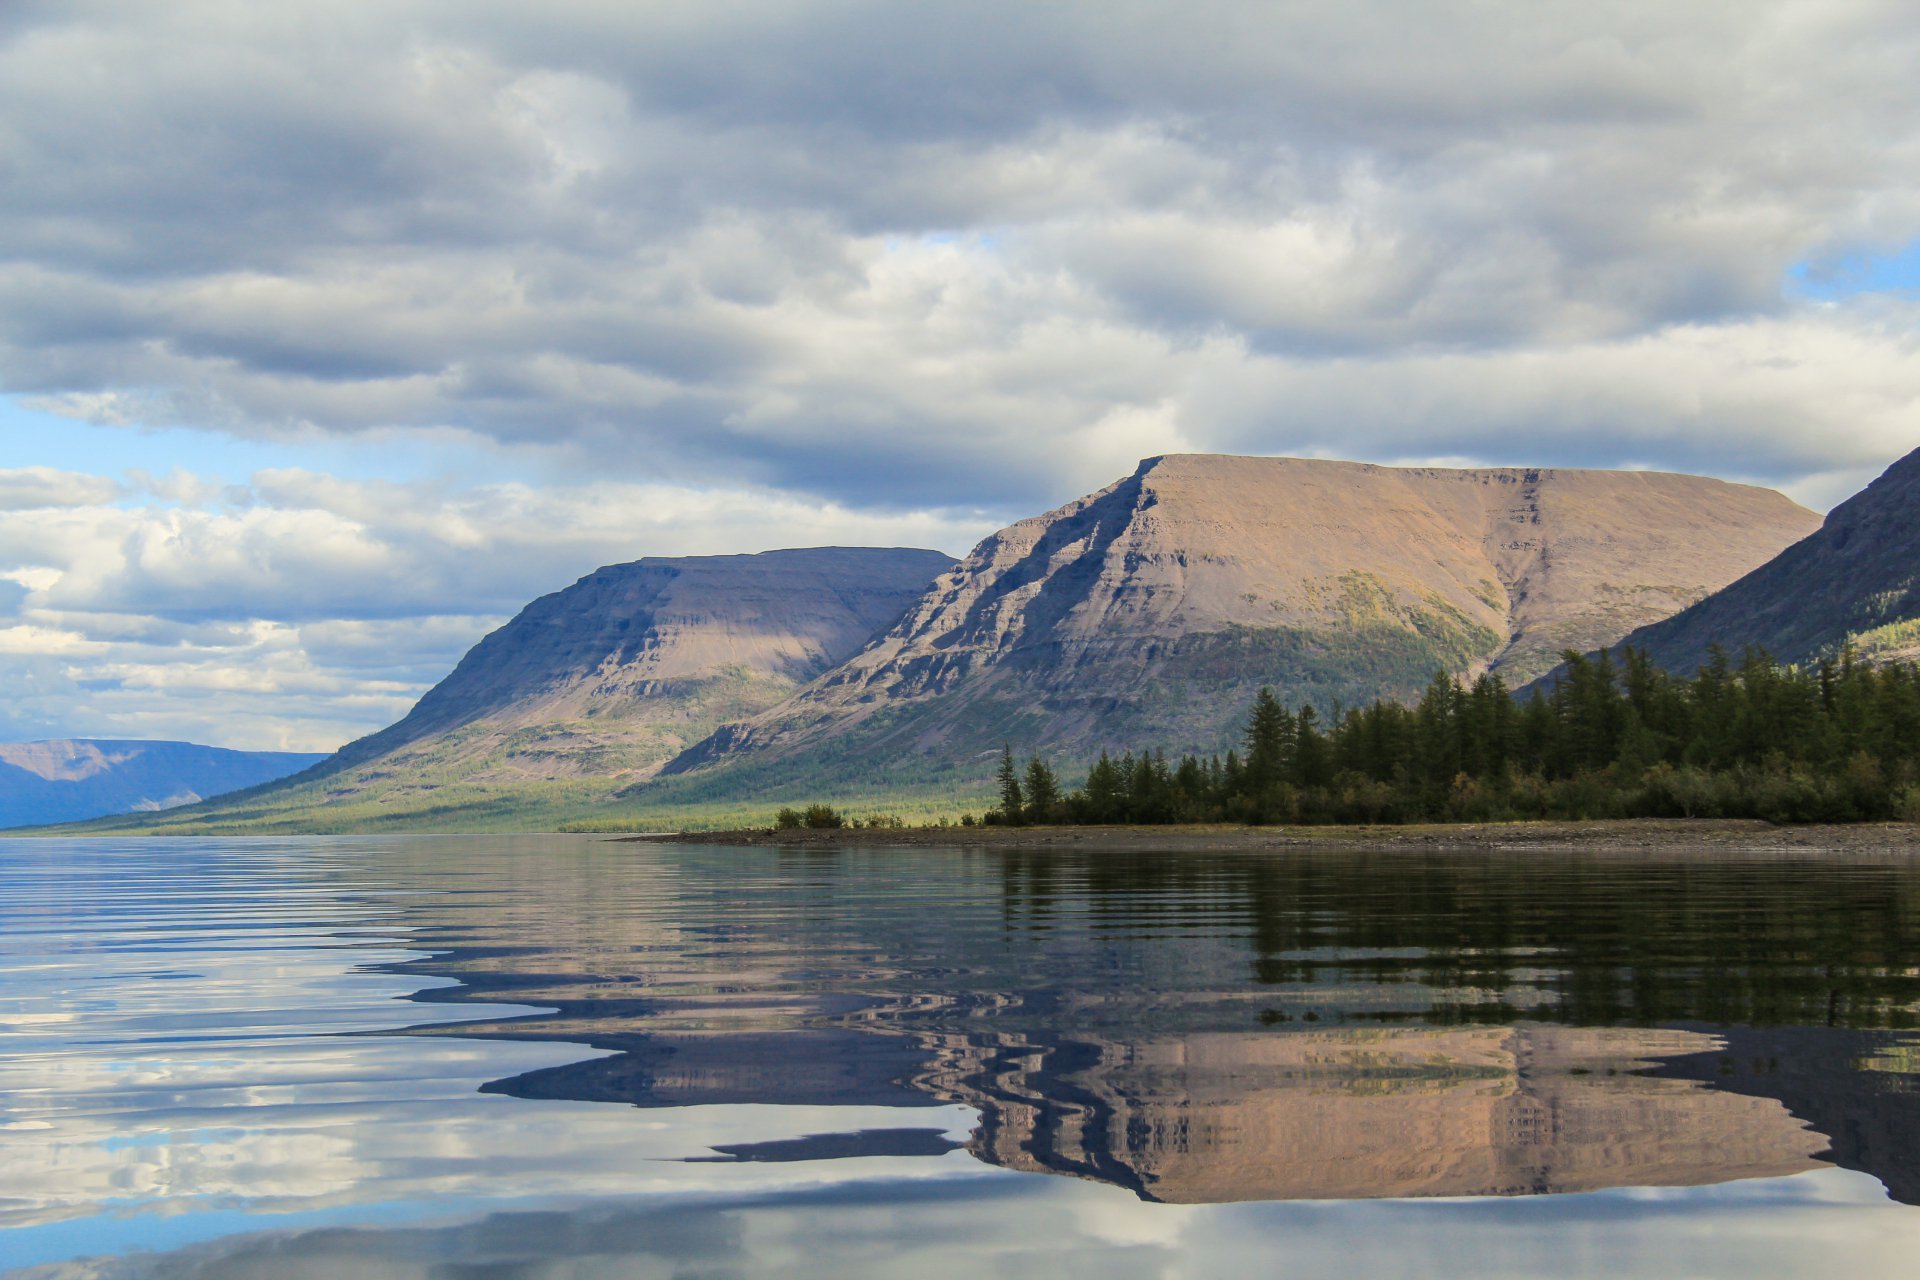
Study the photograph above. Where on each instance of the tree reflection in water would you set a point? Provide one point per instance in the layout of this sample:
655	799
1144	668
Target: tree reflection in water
1301	1025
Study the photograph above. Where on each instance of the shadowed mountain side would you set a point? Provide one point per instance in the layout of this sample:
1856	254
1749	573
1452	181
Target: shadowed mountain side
596	686
612	675
1856	1087
812	1068
1151	611
69	780
1854	581
637	645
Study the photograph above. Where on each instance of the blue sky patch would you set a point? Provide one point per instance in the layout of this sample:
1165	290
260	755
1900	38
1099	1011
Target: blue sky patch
1842	276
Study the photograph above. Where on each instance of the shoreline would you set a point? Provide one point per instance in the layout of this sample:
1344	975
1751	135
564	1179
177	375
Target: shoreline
1675	834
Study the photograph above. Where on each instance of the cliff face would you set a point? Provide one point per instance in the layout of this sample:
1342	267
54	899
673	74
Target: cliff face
1150	611
1854	581
609	678
68	780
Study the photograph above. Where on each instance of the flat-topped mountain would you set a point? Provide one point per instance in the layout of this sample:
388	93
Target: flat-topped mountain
598	685
71	779
1855	581
1149	612
610	676
1146	614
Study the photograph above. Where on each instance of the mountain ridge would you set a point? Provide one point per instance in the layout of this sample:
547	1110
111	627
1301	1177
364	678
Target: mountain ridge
1145	614
55	780
597	684
1198	578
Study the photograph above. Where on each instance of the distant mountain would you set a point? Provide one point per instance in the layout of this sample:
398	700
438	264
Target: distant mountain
1150	612
67	780
598	685
1854	581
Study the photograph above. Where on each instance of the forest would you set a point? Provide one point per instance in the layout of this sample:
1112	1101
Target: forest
1838	741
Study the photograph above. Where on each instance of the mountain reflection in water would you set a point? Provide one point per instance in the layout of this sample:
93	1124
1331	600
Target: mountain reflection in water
394	1056
1328	1025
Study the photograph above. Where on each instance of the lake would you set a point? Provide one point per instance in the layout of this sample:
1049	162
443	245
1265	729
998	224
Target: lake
566	1056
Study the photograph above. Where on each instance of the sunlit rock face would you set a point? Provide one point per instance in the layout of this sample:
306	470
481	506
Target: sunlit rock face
1150	611
1361	1114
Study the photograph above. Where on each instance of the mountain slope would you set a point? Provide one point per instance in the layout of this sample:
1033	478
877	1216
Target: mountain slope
1856	580
610	675
1150	611
72	779
595	687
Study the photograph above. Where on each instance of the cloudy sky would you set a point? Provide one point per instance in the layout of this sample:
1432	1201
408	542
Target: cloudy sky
330	333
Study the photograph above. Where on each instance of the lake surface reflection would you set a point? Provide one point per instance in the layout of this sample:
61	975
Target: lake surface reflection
537	1056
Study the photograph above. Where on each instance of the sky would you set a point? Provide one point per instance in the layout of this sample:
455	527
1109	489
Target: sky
332	333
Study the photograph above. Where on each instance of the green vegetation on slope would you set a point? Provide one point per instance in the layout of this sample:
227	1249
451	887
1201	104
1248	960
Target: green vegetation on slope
1186	694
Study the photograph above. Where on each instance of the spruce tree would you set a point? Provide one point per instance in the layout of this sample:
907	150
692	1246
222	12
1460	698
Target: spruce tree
1043	791
1103	791
1269	744
1012	811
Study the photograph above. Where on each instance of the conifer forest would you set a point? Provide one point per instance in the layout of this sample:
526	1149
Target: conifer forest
1836	741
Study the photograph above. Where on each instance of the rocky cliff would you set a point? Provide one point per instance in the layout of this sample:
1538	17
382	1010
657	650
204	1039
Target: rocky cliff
1854	581
1149	612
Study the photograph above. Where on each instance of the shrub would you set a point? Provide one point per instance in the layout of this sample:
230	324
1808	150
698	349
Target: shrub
789	820
820	815
1682	792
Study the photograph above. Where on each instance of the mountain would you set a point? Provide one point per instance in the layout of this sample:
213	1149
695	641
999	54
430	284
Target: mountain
67	780
1150	612
598	685
1854	581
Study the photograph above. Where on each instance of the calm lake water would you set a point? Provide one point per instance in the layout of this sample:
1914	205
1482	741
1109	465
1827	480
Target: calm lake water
458	1057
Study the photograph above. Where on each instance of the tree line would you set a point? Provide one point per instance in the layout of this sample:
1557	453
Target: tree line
1838	741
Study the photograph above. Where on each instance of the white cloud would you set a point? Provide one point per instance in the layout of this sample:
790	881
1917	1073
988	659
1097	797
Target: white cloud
740	275
33	488
302	610
914	257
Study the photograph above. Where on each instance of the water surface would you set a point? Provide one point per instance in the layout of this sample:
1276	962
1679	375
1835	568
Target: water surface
550	1056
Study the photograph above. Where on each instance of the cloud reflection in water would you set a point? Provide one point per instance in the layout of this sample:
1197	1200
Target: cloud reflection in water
185	1073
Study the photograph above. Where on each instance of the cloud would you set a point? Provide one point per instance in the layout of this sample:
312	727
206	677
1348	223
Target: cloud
32	488
727	276
941	254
